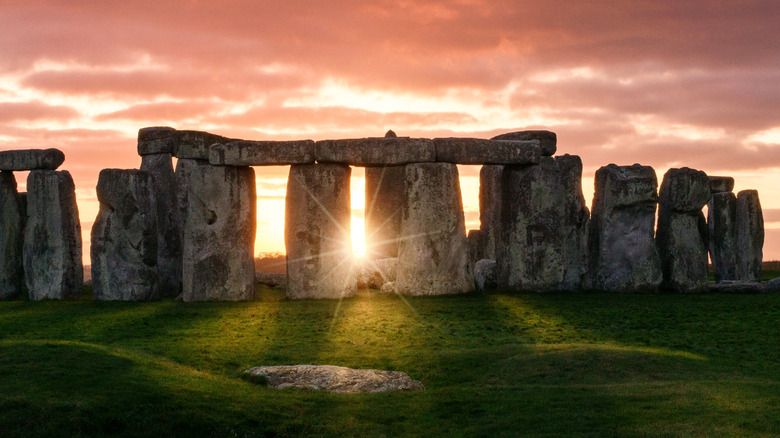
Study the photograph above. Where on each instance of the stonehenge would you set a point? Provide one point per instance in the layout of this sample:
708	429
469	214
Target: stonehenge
189	232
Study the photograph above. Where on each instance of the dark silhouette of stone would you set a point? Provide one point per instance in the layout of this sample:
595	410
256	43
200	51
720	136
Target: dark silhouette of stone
157	140
271	279
170	222
720	184
737	287
750	236
433	255
490	208
384	204
219	234
485	274
376	151
548	140
481	151
12	218
52	239
682	233
124	237
196	144
474	238
390	134
576	218
262	153
721	221
623	255
31	159
317	232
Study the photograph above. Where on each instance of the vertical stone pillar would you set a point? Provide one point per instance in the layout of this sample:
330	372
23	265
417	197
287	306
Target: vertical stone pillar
169	221
433	254
682	233
52	239
184	168
124	237
384	201
490	208
721	219
622	252
750	236
219	234
576	218
317	232
12	218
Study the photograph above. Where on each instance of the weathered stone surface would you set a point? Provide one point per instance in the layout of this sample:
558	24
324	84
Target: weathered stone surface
750	236
737	287
12	219
720	184
433	255
184	168
547	139
474	239
271	279
384	204
485	274
376	151
219	234
195	144
31	159
374	273
682	233
388	288
124	237
170	222
721	221
262	153
623	255
490	208
772	285
334	379
317	232
52	237
157	140
543	225
481	151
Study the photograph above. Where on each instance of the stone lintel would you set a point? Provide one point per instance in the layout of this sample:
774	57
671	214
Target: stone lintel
721	184
262	153
548	139
376	151
31	159
196	144
156	140
481	151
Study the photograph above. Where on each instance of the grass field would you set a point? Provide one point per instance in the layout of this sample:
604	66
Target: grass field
494	364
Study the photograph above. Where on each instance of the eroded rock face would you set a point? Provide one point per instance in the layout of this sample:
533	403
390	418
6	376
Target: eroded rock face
184	168
169	222
485	274
721	220
157	140
384	205
219	234
31	159
52	239
376	151
721	184
544	226
474	238
750	236
262	153
682	233
623	255
481	151
547	139
329	378
490	208
317	232
13	214
433	255
196	145
374	273
124	237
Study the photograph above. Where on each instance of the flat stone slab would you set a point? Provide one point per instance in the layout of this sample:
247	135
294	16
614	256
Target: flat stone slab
376	151
196	144
271	279
156	140
31	159
720	184
335	379
548	139
737	287
481	151
262	153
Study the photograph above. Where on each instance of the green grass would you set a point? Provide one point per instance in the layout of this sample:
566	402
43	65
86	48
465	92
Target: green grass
493	365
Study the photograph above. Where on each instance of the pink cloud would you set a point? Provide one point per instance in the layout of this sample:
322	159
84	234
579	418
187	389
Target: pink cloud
34	110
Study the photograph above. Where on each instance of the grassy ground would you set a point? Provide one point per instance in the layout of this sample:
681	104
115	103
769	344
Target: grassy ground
493	364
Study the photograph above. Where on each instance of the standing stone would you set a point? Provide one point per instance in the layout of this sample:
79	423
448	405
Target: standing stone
576	218
169	222
490	208
124	237
433	254
750	236
682	233
157	140
184	168
721	220
721	184
384	202
12	218
52	238
317	232
219	234
485	274
474	238
623	256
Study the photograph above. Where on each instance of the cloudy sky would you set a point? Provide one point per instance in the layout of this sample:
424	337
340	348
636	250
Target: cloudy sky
666	84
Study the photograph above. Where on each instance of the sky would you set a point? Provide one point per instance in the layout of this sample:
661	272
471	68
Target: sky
660	83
